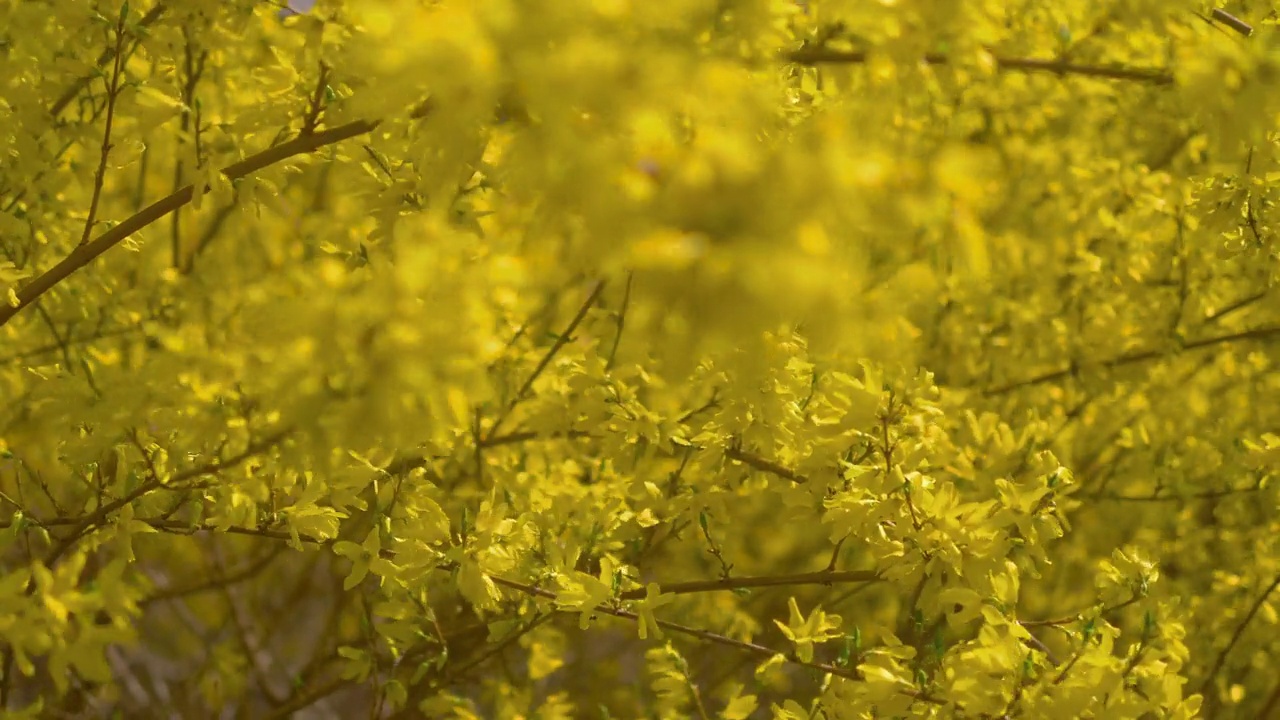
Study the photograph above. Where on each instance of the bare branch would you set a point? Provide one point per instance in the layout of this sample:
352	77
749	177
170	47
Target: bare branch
1235	636
562	340
1154	76
113	93
759	463
734	583
1232	22
708	636
1262	333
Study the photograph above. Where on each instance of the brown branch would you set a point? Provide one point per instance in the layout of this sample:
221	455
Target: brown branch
1235	636
99	516
674	588
707	636
561	340
87	523
305	700
113	93
407	463
734	583
421	692
177	527
1205	495
815	578
712	402
1235	306
682	588
759	463
316	106
526	436
823	56
251	645
1232	22
68	342
84	254
245	573
1272	703
61	343
621	317
190	122
1074	618
206	239
1262	333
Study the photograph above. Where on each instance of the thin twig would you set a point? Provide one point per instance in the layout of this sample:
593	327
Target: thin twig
1154	76
113	92
107	55
61	343
190	123
312	118
1235	306
100	515
1205	495
231	578
709	636
622	319
1235	636
305	700
562	340
759	463
736	583
1270	706
420	692
254	649
1075	618
1261	333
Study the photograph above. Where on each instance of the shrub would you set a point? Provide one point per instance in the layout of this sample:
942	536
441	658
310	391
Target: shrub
596	358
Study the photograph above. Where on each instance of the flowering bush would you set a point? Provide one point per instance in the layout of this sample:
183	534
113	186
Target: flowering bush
600	358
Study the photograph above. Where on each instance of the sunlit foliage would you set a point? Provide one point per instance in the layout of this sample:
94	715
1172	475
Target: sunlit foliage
617	358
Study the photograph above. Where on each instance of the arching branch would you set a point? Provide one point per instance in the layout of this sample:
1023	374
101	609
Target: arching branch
1154	76
86	253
